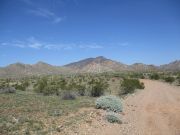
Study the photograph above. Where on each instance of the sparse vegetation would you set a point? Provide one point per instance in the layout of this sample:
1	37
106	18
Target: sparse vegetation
113	118
51	98
68	95
8	90
129	86
110	102
28	112
97	87
169	79
154	76
178	79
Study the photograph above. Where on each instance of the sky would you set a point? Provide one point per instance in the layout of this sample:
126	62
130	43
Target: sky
62	31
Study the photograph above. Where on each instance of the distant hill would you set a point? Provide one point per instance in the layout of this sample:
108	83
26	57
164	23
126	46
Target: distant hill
140	67
173	66
40	68
97	65
90	65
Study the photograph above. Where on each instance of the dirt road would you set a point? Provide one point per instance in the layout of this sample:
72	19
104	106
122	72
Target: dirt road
155	110
152	111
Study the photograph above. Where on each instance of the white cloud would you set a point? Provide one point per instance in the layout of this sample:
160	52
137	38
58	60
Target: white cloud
33	43
19	45
42	12
57	20
4	43
90	46
95	46
45	13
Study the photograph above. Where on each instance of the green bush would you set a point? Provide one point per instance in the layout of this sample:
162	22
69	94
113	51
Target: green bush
169	79
137	75
155	76
40	85
45	87
50	89
178	79
110	102
81	89
129	86
113	118
4	85
20	87
97	87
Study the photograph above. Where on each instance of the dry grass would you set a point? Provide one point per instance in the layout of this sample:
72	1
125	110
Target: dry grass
28	113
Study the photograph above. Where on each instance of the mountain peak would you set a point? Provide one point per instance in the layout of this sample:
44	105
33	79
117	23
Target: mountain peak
100	57
41	63
16	64
97	64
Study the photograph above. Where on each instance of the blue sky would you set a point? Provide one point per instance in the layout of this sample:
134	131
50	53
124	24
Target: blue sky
62	31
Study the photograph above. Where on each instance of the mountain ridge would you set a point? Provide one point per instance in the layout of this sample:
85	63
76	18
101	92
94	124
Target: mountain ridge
90	65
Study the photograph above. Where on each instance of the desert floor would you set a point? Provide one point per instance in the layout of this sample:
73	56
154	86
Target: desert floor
152	111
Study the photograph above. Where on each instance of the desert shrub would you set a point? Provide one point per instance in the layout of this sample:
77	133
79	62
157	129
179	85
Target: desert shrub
129	86
20	87
81	89
25	83
62	83
50	89
178	79
68	95
154	76
47	87
169	79
4	85
97	87
71	86
113	118
8	90
110	102
137	75
40	85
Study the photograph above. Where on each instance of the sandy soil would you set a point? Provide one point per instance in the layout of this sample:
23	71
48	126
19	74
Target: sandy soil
152	111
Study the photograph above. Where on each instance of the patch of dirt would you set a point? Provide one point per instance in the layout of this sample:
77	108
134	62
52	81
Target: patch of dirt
152	111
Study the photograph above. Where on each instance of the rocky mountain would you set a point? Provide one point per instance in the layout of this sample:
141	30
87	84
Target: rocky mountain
102	64
97	65
40	68
140	67
90	65
173	66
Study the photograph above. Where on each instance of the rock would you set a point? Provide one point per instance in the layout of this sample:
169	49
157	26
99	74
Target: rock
59	128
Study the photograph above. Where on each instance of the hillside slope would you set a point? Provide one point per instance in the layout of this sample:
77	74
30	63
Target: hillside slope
90	65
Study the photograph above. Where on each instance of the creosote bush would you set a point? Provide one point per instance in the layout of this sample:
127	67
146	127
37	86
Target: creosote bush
154	76
113	118
110	102
129	86
169	79
97	87
178	79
